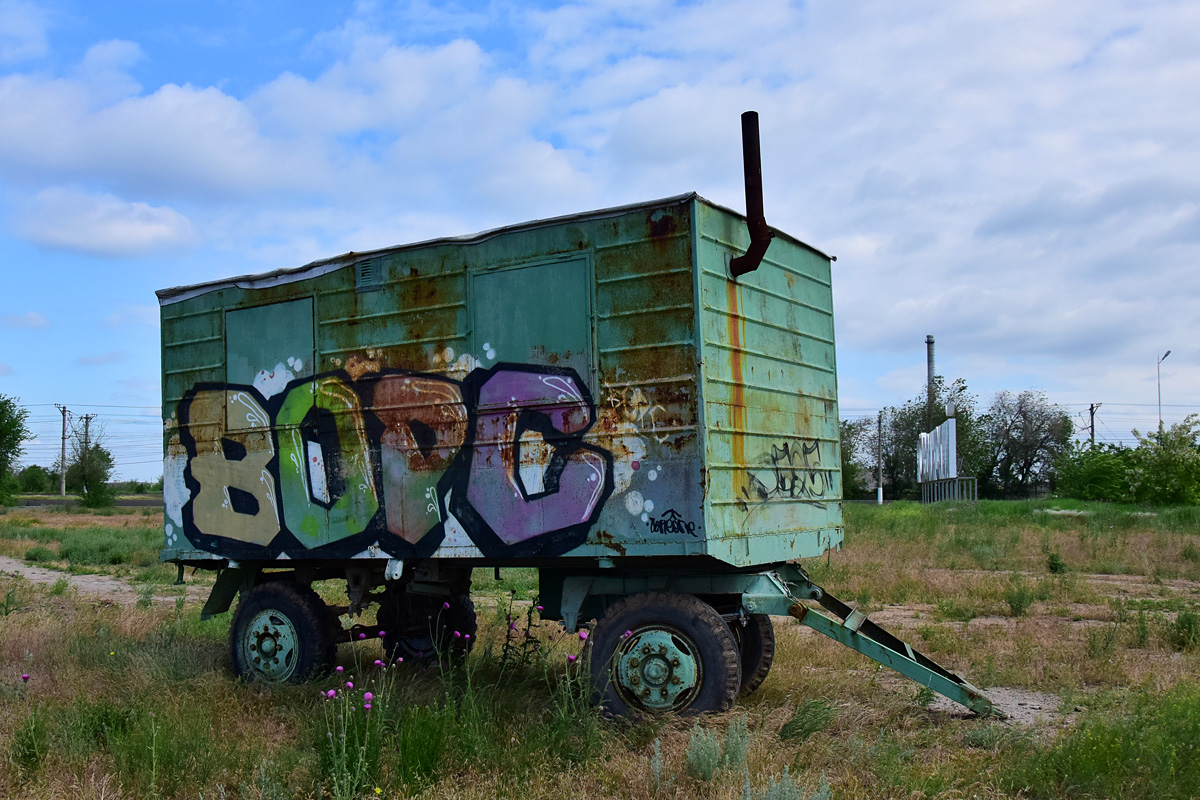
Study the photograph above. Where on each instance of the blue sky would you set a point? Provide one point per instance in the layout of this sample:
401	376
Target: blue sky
1019	180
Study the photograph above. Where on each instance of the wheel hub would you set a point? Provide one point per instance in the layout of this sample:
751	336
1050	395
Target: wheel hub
658	670
270	645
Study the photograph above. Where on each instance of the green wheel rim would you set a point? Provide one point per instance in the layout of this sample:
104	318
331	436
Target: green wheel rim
658	670
269	646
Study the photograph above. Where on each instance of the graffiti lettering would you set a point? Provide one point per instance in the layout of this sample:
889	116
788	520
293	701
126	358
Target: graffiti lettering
794	472
501	452
425	425
236	496
672	522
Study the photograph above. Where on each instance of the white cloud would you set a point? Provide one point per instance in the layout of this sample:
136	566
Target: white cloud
101	225
102	359
30	320
22	31
133	315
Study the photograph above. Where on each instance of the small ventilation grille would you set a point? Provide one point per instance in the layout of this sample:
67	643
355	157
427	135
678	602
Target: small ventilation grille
366	276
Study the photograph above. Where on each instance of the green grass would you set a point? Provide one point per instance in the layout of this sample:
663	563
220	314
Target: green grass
1149	751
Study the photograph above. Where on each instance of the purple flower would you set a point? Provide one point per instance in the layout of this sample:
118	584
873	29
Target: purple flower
571	658
382	634
368	696
367	706
457	635
399	659
626	634
25	678
466	636
340	668
378	663
349	685
512	626
583	636
331	694
539	608
445	605
362	636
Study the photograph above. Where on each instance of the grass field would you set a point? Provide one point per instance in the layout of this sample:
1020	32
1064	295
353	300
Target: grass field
1088	614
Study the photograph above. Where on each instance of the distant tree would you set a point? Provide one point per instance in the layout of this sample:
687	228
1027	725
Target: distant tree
90	466
1024	434
14	432
1166	466
855	457
35	479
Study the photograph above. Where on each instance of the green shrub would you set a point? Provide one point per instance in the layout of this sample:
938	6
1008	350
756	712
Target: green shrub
31	742
703	755
40	554
1094	473
737	741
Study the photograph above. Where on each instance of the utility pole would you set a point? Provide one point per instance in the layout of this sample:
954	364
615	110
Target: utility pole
86	457
62	464
1092	424
879	461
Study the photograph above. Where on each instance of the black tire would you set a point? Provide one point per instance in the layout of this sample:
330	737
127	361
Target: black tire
421	628
280	634
663	652
756	641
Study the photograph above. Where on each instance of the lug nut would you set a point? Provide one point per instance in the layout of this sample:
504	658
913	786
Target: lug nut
674	662
663	692
633	662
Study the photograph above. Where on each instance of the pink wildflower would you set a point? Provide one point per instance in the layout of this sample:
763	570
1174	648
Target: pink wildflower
340	669
382	634
367	706
331	694
457	635
466	636
539	608
445	605
362	636
378	663
368	696
512	626
571	658
25	678
349	685
583	636
626	634
399	659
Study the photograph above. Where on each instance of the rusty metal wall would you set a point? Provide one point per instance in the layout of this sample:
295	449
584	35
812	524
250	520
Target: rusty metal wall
424	425
770	398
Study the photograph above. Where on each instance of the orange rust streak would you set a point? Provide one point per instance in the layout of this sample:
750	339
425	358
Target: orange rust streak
739	402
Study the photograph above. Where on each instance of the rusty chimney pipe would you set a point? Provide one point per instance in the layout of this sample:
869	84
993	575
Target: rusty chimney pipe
756	220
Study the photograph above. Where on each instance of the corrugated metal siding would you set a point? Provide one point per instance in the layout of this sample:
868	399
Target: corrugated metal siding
770	398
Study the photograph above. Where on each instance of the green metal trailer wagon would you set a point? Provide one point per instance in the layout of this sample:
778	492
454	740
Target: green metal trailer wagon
600	396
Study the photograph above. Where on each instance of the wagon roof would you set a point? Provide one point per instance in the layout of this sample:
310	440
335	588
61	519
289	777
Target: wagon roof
326	265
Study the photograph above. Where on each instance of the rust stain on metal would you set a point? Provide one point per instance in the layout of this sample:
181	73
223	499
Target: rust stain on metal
608	540
738	410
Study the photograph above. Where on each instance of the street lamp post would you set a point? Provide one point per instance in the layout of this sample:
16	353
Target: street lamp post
1158	376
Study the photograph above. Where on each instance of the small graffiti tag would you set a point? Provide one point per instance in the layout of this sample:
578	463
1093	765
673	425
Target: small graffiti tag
671	522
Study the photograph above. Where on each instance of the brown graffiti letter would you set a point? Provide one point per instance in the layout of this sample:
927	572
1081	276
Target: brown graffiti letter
425	424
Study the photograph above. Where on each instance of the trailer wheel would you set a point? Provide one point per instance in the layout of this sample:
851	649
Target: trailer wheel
756	641
280	634
422	627
663	652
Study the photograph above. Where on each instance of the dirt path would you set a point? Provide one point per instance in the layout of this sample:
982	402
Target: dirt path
105	587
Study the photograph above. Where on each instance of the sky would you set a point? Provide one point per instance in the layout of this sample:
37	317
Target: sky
1020	180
